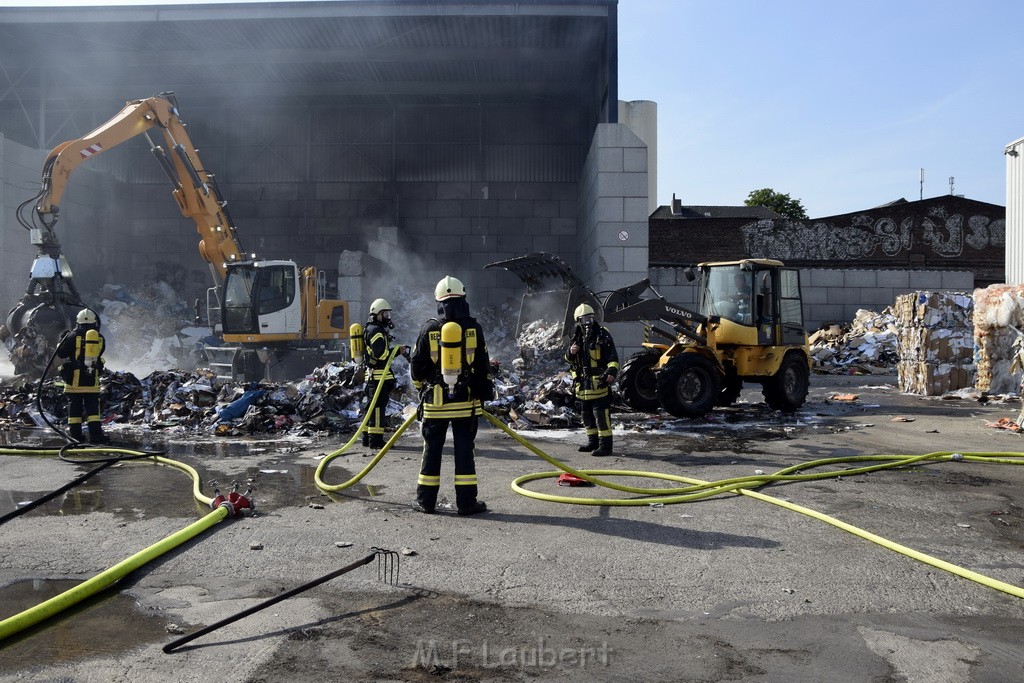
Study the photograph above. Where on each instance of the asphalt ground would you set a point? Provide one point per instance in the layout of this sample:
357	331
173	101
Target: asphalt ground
727	588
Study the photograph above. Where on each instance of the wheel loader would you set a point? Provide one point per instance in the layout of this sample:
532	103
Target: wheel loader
748	328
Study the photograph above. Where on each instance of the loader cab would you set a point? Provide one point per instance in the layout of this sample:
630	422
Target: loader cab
262	298
758	293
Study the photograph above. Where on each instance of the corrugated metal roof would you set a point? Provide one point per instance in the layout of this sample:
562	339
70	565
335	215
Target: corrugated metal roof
84	59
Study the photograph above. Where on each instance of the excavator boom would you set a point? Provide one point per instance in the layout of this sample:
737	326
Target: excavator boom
194	189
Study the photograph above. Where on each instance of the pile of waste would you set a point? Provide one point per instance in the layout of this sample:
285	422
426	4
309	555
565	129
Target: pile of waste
936	340
867	346
149	328
999	338
531	390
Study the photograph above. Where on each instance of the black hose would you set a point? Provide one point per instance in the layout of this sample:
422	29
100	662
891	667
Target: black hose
17	512
174	644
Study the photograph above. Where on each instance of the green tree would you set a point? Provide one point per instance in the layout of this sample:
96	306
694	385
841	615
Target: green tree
778	202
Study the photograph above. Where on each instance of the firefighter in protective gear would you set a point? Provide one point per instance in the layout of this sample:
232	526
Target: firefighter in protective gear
594	364
377	347
83	348
451	369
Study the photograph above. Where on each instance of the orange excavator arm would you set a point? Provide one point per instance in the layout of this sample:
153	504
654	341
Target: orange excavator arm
194	189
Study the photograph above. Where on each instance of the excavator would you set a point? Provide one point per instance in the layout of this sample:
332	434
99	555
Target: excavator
273	317
748	328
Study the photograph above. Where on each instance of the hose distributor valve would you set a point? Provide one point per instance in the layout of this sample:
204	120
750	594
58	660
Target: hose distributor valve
235	502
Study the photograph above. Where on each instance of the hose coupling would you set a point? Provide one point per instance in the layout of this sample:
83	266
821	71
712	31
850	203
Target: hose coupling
235	503
957	457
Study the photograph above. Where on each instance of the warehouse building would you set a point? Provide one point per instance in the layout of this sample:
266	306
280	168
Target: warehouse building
399	139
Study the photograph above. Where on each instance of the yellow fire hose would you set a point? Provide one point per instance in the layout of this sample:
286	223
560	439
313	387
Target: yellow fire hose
330	488
90	587
697	489
73	596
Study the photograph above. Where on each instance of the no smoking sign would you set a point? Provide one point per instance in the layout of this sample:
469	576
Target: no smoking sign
623	235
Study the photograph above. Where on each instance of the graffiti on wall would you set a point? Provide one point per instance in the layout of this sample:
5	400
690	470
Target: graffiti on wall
946	235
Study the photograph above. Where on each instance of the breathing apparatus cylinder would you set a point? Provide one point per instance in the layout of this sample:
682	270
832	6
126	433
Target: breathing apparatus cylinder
451	354
355	342
92	348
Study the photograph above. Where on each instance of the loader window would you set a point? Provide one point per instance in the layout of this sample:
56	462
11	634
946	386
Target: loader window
791	308
728	294
764	301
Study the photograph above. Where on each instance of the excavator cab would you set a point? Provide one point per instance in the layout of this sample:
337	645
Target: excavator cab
262	295
748	328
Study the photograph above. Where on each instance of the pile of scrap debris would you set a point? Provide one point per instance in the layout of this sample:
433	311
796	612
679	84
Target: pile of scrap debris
999	338
936	340
531	389
867	346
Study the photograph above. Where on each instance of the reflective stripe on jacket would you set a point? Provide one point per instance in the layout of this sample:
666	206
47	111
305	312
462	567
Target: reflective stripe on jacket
596	358
377	343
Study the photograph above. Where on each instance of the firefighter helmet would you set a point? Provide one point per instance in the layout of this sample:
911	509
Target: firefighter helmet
379	305
86	317
582	310
448	287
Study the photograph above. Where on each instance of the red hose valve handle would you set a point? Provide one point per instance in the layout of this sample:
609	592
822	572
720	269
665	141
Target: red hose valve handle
240	503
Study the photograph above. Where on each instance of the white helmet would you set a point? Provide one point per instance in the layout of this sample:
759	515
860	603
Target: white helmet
448	287
379	305
86	317
582	310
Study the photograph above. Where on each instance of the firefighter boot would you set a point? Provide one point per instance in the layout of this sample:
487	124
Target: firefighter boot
590	445
605	448
376	441
75	431
96	435
426	499
474	508
366	439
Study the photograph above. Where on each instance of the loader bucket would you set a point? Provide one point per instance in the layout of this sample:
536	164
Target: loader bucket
553	291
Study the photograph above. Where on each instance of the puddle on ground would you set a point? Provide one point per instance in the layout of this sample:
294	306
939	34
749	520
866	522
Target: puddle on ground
285	484
129	490
106	624
141	489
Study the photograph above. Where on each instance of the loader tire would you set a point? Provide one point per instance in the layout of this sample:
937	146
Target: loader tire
786	390
689	385
638	384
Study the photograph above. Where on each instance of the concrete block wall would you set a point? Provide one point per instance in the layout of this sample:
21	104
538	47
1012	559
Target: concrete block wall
613	234
457	228
612	244
833	295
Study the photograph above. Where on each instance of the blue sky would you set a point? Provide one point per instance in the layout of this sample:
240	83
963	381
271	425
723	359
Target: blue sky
838	104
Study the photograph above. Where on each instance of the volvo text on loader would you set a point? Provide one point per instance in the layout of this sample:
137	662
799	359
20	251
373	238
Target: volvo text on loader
273	316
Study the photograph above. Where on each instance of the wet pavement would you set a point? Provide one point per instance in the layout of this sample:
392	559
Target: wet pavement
109	623
677	574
